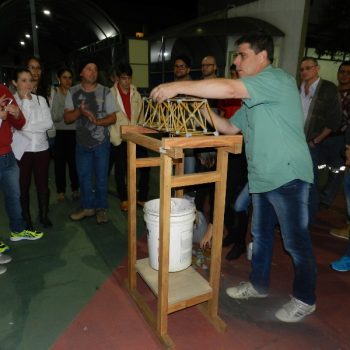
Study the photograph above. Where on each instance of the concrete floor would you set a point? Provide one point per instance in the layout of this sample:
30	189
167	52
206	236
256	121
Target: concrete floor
66	291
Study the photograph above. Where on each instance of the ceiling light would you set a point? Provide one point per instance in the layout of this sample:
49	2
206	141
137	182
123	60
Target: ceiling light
47	12
22	43
27	36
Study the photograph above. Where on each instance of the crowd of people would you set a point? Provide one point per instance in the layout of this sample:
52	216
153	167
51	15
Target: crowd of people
288	134
76	125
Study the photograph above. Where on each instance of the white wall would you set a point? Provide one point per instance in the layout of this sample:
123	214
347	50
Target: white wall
288	16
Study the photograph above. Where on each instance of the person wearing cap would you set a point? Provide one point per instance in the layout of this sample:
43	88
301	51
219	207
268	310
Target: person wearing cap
91	106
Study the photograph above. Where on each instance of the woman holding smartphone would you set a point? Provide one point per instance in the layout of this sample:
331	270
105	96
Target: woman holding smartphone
32	147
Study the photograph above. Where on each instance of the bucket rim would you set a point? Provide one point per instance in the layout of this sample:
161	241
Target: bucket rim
188	210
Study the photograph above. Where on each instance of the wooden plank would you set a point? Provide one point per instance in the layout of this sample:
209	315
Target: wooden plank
145	141
131	150
198	179
216	321
201	298
236	149
218	227
137	129
202	141
150	318
147	162
186	287
164	233
179	171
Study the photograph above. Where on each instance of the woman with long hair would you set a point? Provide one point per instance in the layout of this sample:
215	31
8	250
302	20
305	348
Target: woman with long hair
32	146
65	138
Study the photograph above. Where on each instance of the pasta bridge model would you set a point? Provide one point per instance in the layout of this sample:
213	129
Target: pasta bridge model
179	116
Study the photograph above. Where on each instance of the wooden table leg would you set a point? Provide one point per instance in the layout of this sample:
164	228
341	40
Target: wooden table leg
132	216
218	226
164	233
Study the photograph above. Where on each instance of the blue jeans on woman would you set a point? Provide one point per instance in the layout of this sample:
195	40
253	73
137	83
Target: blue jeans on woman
92	168
9	185
288	205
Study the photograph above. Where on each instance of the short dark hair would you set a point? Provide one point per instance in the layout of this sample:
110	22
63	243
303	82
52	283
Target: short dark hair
308	58
62	70
345	63
258	41
123	68
18	71
185	59
85	62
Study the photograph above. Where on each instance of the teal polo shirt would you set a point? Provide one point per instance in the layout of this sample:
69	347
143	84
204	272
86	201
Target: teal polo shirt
272	124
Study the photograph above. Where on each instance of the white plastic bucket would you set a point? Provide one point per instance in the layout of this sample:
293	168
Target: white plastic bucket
182	217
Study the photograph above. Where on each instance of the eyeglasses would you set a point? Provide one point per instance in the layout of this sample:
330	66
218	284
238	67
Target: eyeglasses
207	65
307	68
181	66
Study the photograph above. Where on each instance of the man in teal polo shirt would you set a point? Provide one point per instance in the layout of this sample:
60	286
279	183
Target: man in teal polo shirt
279	166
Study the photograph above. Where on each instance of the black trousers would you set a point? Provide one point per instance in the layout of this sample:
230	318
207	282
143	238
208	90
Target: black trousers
65	155
119	154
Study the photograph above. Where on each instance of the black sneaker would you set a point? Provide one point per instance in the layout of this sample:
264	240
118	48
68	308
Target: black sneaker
228	240
236	251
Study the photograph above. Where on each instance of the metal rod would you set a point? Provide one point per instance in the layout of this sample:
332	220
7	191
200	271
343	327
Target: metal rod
34	29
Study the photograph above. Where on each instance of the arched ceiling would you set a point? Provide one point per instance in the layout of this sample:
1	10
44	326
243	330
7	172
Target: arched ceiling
71	25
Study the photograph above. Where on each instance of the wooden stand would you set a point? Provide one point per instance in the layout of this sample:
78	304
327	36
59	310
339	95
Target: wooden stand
177	290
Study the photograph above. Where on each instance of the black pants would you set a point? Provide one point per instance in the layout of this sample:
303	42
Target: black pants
120	171
65	154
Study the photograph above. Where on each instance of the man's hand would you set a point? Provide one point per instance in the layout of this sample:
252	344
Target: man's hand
163	92
86	113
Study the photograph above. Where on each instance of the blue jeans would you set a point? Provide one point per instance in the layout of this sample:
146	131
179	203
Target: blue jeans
243	200
9	185
287	205
92	168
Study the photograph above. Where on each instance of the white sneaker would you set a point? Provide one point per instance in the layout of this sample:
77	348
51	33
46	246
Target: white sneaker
3	269
244	290
4	259
294	311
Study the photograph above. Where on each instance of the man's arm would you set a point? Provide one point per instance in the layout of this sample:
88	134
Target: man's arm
109	119
211	88
221	124
71	115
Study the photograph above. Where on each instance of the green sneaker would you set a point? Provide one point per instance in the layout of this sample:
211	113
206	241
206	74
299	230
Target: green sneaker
26	234
3	247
